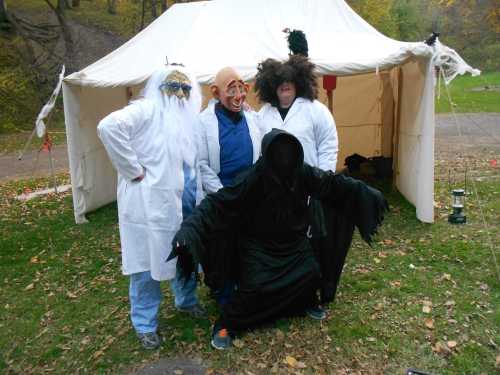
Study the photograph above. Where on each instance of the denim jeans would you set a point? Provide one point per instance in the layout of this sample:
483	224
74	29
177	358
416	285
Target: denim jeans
146	296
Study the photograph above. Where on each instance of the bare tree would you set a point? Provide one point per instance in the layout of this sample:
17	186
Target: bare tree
164	5
4	20
112	6
65	29
154	12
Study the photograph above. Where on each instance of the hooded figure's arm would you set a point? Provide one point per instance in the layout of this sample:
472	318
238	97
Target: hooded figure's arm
352	198
117	131
217	214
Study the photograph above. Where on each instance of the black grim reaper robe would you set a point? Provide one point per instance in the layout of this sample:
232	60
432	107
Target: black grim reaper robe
277	272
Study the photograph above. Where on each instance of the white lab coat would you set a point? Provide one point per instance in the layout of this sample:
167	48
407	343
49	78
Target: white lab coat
210	148
313	124
149	211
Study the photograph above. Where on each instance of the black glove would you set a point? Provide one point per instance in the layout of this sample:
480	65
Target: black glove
179	245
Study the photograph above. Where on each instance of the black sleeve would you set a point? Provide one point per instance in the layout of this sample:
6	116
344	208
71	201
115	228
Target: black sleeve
217	214
354	199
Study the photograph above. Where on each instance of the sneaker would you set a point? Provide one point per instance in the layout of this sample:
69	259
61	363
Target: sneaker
197	310
221	340
149	340
316	313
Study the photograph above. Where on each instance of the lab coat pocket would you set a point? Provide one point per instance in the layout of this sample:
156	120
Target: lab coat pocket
131	207
162	212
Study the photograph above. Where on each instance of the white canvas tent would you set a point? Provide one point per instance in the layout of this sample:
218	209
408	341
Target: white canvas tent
383	104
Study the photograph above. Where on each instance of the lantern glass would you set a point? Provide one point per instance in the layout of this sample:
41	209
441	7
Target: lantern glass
458	198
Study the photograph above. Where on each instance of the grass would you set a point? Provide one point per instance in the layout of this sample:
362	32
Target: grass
468	101
65	305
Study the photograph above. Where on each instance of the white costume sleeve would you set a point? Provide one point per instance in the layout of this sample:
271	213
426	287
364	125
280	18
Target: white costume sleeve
210	181
116	132
326	137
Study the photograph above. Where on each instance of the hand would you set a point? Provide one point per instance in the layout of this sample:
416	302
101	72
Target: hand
139	178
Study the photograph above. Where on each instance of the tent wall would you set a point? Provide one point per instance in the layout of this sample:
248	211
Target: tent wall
414	164
93	178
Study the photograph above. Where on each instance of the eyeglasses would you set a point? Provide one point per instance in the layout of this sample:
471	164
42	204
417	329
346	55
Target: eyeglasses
174	86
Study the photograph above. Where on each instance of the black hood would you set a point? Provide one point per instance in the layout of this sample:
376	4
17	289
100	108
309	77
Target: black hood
272	140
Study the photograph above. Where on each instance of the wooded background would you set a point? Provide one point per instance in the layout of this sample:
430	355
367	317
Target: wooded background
37	36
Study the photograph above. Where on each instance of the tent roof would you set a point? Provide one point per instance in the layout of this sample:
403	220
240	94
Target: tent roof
208	35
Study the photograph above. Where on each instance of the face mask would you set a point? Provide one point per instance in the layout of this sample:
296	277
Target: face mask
178	84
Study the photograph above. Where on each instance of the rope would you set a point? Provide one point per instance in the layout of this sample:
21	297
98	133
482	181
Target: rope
474	187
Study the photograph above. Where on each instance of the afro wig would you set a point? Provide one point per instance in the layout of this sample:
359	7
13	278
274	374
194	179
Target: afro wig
272	73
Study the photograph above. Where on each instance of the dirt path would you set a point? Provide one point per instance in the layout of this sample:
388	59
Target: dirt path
480	136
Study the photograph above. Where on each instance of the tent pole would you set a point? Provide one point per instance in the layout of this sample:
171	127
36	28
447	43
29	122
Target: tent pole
395	152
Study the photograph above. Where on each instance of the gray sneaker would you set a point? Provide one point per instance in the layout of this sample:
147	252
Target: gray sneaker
149	340
316	313
221	340
197	311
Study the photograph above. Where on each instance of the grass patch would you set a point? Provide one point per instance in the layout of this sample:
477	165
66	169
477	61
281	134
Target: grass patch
468	101
65	303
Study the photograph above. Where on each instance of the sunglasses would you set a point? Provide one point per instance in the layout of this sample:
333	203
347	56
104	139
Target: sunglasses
175	86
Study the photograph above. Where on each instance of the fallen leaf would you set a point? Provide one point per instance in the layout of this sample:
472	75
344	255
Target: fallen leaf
300	364
395	283
371	339
441	348
279	334
449	303
178	372
292	362
451	344
429	323
71	295
30	286
376	260
238	343
426	309
497	362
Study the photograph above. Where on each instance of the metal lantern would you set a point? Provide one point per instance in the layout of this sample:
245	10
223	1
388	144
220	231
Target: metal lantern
458	217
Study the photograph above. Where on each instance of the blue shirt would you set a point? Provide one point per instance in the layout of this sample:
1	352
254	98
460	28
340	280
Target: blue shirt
236	150
189	192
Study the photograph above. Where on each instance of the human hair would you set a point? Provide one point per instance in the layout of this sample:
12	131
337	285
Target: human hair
272	73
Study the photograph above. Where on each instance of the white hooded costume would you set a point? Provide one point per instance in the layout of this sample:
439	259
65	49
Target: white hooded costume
155	136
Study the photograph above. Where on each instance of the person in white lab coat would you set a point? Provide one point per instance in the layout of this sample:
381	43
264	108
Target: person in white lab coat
289	92
153	145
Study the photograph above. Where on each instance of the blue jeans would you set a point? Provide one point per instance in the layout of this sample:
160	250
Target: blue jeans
145	298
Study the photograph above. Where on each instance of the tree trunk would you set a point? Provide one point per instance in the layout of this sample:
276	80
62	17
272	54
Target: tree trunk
4	19
164	5
143	14
75	3
154	4
65	32
112	6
